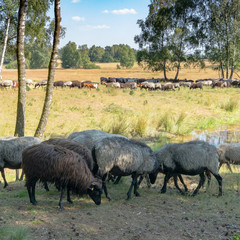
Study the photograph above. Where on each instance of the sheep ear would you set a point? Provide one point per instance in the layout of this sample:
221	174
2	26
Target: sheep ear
95	185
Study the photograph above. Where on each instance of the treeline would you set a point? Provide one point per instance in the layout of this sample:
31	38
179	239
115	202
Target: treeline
180	33
38	55
84	57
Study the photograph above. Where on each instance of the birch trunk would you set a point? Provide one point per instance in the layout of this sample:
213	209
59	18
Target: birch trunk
5	44
51	73
21	105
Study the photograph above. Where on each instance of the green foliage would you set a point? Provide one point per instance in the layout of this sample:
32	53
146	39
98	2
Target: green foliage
91	66
71	57
236	237
13	64
39	59
127	57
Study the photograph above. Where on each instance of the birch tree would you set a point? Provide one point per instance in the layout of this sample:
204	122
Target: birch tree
51	72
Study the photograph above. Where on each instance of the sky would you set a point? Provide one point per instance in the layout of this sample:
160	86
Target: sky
102	22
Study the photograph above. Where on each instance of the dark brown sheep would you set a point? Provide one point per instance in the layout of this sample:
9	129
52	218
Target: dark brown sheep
196	85
58	84
75	147
55	164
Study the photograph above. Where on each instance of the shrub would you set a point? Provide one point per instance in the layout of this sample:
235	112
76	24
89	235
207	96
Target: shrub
91	66
230	105
140	126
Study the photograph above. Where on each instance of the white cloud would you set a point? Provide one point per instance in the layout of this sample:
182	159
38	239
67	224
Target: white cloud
77	18
121	11
76	1
98	26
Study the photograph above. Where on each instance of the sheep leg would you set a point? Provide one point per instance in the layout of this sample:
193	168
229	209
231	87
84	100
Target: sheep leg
183	183
17	174
201	182
21	178
219	179
61	197
176	183
136	185
46	186
105	187
166	179
33	192
68	196
229	167
208	174
29	193
134	179
4	178
117	180
140	180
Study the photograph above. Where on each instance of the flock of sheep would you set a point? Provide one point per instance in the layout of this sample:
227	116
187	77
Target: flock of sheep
132	83
82	162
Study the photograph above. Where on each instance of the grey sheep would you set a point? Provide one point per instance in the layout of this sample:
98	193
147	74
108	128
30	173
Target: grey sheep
123	157
190	158
11	153
67	169
229	154
91	137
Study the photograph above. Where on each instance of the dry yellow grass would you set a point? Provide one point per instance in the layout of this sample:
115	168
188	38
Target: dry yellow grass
108	70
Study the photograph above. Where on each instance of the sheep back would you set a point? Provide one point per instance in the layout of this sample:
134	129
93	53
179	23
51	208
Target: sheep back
122	156
75	147
55	164
91	137
229	153
189	157
11	150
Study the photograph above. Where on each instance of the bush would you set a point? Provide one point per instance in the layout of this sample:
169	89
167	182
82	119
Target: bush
13	64
139	127
91	66
230	105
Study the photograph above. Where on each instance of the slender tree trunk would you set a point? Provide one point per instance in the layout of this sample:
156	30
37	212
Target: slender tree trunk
221	67
5	44
233	60
178	67
164	69
51	72
21	106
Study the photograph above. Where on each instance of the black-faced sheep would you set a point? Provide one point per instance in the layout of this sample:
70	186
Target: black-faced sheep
229	154
190	158
67	169
11	153
123	157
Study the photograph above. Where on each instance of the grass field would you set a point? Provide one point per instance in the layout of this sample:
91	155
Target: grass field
154	117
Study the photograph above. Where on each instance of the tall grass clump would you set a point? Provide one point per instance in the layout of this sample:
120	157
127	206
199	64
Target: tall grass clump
111	91
139	126
118	125
180	121
230	106
165	122
13	233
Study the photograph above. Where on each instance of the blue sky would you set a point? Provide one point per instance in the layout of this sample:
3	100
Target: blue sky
102	22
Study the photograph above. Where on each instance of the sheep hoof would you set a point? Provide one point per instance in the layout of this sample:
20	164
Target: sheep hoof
109	198
163	191
70	201
5	185
137	194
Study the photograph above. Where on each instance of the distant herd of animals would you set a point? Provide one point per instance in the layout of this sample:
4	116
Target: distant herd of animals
82	163
132	83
